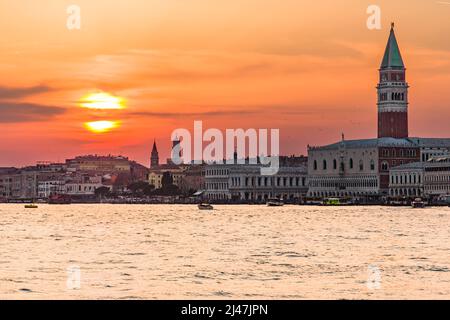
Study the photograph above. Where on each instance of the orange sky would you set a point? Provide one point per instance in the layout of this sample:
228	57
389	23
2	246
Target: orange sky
308	68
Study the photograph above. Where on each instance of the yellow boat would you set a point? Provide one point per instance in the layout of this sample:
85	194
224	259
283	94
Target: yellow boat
31	206
332	202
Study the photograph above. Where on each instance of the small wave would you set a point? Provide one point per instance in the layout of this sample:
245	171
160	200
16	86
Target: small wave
287	265
13	280
222	293
293	254
201	276
433	268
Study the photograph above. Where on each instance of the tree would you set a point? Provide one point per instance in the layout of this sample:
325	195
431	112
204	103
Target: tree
168	188
167	180
139	187
148	190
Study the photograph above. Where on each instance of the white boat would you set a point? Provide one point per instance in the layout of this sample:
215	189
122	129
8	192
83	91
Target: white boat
275	202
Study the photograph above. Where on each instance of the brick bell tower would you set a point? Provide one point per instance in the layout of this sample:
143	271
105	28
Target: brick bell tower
392	93
154	160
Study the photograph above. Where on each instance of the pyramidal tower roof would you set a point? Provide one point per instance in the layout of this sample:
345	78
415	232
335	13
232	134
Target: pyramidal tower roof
392	57
154	149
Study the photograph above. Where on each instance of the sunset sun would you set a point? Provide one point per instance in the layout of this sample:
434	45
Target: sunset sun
102	101
99	103
101	126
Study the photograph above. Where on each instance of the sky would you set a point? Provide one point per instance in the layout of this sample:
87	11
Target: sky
308	68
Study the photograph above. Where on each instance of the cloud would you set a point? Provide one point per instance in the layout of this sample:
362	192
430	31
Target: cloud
216	113
15	93
238	110
27	112
318	48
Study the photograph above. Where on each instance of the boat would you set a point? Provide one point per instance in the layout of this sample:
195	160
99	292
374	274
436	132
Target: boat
205	206
398	203
275	202
31	206
443	200
332	202
59	199
418	203
313	203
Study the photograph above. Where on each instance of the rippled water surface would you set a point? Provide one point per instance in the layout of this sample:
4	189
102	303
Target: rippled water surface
233	252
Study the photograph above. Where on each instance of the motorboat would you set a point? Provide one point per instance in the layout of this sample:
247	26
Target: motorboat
418	203
275	202
205	206
31	206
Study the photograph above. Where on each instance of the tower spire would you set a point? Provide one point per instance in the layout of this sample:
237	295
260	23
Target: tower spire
392	57
154	160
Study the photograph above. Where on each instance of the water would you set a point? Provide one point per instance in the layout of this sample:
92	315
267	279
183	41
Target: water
233	252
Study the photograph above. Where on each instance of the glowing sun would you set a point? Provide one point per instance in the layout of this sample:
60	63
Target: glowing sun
101	126
102	101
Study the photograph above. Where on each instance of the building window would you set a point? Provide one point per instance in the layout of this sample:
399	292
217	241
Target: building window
324	164
361	165
315	164
372	165
351	163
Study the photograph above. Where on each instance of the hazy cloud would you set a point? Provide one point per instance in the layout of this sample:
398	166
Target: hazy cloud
216	113
27	112
15	93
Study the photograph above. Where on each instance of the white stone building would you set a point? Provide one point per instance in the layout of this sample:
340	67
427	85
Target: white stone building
429	179
437	177
244	182
83	186
407	180
47	188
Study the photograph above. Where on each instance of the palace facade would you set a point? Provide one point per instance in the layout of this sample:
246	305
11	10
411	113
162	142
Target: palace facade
244	182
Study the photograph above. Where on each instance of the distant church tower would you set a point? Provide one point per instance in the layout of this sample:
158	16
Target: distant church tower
392	93
154	160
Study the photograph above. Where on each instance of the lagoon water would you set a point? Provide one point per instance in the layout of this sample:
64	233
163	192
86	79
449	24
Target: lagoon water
234	252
